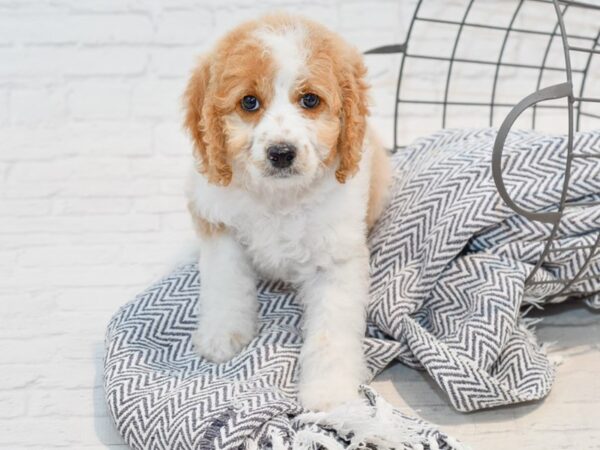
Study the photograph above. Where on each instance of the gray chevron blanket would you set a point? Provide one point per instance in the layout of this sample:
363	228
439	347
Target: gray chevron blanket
448	260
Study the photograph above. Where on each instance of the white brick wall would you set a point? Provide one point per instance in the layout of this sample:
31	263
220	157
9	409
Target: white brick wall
92	158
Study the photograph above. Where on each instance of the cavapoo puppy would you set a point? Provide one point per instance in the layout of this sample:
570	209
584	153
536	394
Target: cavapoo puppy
287	181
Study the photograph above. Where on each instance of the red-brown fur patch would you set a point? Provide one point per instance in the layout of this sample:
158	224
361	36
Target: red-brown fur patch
237	67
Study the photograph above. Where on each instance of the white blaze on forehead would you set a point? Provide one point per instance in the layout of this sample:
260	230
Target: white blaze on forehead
287	47
283	121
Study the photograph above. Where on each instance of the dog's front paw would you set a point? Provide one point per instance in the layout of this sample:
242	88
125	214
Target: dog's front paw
326	392
219	342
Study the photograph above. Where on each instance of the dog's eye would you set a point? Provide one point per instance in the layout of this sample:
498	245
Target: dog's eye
250	103
309	101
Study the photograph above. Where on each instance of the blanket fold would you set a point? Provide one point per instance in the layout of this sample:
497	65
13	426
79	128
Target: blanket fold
449	261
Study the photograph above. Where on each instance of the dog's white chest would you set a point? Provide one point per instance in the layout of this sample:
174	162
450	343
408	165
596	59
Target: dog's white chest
286	247
291	237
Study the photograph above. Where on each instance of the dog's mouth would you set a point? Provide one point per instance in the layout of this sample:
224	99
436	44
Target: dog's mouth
288	172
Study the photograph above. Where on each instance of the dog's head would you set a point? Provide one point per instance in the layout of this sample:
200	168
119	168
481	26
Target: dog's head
276	103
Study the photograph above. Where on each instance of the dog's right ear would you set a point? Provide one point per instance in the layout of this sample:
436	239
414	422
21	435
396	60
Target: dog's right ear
193	104
203	122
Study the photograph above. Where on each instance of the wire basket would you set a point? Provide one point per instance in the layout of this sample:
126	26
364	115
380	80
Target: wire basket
460	82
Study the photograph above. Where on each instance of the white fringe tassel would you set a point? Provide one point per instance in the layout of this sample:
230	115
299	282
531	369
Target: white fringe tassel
376	425
365	423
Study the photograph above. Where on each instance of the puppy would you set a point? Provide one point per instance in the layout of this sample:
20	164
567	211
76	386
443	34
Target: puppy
287	181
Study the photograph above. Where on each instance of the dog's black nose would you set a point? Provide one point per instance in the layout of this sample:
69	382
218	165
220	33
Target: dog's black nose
281	155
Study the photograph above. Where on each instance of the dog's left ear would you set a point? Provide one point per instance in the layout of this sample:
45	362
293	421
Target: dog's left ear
354	113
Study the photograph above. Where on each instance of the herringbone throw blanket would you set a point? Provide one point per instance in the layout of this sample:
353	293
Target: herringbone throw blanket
448	261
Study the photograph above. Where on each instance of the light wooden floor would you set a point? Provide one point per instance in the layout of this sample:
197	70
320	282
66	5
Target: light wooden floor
569	418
